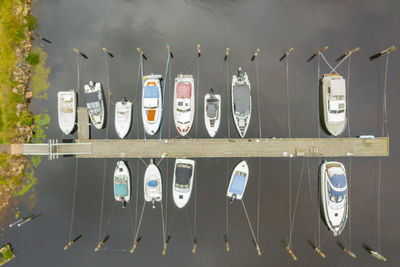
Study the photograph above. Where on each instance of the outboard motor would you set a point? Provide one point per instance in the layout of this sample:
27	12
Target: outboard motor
91	83
123	203
233	198
154	204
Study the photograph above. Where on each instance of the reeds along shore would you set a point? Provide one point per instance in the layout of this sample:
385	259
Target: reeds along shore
16	123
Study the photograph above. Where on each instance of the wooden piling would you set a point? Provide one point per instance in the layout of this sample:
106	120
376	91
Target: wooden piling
101	243
291	253
319	51
255	54
170	51
108	52
320	253
72	242
386	51
226	53
348	53
141	53
198	50
287	53
377	255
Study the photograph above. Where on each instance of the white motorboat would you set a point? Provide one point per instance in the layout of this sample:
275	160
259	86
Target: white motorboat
334	103
151	103
212	112
66	111
334	195
241	102
123	117
122	183
184	105
95	103
183	181
238	182
152	184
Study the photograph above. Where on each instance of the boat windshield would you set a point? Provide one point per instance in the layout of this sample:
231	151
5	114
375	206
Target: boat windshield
337	188
183	90
121	189
238	183
152	183
334	197
151	92
212	110
183	174
241	96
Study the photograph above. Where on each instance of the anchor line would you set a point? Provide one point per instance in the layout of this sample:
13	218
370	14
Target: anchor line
109	95
295	205
195	206
110	218
170	100
140	221
163	95
226	201
248	221
137	194
171	222
258	198
74	198
189	222
311	201
102	199
197	93
258	96
349	195
348	96
227	95
162	222
137	84
319	136
288	98
326	61
141	71
166	200
77	74
132	221
385	124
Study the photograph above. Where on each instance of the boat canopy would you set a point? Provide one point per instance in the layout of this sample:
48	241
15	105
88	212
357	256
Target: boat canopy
121	189
338	89
152	183
238	183
212	109
94	107
241	95
183	90
183	174
151	92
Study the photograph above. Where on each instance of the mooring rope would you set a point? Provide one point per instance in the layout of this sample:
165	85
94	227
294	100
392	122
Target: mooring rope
197	94
195	205
385	124
226	200
141	71
349	195
348	97
163	94
74	198
248	221
227	96
258	198
137	194
258	97
102	198
295	205
319	136
326	61
189	222
78	82
311	202
111	216
162	223
140	221
109	95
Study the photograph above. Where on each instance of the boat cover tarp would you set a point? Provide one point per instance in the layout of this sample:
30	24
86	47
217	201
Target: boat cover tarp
237	185
183	175
338	87
121	189
241	96
212	110
152	183
338	181
151	92
92	97
183	90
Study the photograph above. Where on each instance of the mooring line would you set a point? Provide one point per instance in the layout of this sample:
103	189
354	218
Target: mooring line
311	202
197	94
258	197
163	95
349	195
102	198
137	193
74	198
141	71
251	228
226	200
109	95
111	216
258	98
347	98
227	95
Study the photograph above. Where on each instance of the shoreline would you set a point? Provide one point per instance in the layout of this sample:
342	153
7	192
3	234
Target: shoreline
21	129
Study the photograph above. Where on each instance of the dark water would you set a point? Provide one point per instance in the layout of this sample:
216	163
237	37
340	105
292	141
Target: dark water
272	26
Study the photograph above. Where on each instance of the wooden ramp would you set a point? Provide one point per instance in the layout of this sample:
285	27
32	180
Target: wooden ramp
238	148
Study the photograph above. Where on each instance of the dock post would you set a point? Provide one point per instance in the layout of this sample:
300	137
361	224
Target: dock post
170	51
198	50
72	242
348	53
319	51
42	38
80	53
107	52
377	255
320	252
287	53
386	51
255	54
141	53
226	53
165	245
289	250
135	245
101	243
194	245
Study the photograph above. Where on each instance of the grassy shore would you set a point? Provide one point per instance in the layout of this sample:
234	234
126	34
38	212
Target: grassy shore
16	59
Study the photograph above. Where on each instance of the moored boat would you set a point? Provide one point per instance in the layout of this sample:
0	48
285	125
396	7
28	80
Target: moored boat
122	183
212	112
241	102
334	103
184	105
183	181
238	181
151	103
152	184
123	117
334	195
66	110
95	103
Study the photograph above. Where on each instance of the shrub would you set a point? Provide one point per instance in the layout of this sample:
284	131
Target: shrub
33	58
31	22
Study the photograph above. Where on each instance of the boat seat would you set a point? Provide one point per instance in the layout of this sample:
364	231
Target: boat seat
211	111
66	110
151	113
152	183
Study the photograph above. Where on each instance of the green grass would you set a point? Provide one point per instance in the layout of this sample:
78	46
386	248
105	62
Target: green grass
33	58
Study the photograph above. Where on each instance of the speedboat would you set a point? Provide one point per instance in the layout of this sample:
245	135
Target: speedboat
238	182
123	117
95	103
151	103
122	183
334	103
241	102
152	184
212	112
66	111
334	195
183	181
184	103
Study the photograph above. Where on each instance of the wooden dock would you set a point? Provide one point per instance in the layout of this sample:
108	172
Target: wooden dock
204	148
